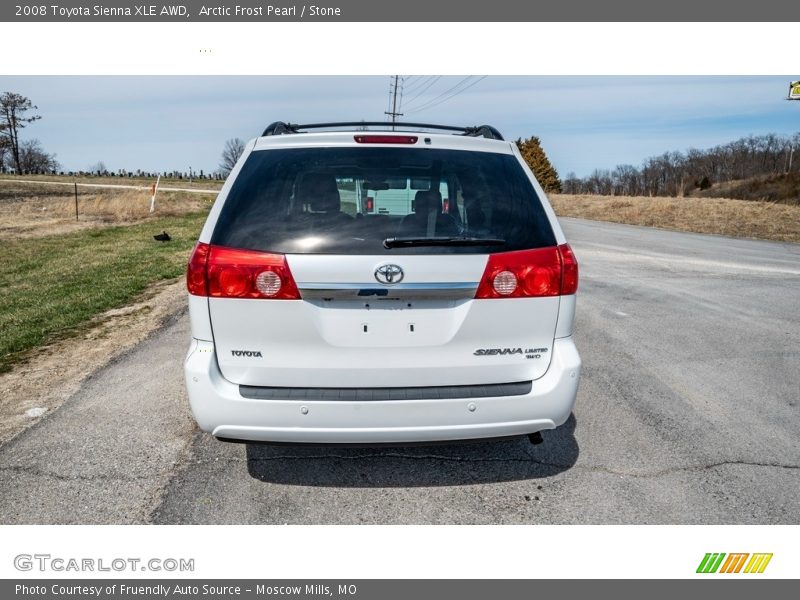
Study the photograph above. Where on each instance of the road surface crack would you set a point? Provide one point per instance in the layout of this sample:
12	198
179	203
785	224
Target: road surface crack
685	468
21	469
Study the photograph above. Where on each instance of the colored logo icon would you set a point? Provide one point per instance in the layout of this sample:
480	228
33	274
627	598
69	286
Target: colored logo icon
719	562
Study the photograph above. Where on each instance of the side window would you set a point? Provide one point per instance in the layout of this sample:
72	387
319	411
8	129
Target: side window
420	183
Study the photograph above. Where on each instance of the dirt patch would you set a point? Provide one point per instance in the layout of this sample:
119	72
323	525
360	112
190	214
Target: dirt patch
53	373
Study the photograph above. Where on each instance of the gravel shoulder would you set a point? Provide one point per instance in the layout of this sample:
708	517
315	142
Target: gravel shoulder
107	454
55	372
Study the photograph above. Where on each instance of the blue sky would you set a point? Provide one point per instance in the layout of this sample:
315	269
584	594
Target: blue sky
175	122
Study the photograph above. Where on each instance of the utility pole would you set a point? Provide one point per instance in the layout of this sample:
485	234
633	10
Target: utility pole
794	94
393	113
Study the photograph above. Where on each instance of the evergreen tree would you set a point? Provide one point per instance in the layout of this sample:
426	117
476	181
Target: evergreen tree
532	153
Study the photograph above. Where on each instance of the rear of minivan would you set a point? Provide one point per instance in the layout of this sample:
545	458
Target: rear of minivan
316	320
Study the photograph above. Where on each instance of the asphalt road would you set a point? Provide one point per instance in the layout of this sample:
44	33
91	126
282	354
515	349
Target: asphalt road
687	413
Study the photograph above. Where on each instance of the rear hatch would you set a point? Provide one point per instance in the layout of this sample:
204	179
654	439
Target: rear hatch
372	298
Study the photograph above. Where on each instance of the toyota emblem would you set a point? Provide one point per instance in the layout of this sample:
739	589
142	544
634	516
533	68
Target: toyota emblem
389	274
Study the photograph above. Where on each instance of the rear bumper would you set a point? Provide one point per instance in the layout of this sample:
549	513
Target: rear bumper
221	410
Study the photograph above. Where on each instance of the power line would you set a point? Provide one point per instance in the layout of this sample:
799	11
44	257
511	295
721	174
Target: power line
440	99
419	83
447	91
407	78
425	88
410	85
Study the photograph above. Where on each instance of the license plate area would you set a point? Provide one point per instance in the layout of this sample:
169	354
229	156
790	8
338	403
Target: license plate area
381	322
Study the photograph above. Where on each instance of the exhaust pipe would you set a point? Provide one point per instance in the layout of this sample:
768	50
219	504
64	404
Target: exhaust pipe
535	438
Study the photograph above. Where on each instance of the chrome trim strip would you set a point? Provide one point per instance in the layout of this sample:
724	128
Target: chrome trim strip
461	285
456	289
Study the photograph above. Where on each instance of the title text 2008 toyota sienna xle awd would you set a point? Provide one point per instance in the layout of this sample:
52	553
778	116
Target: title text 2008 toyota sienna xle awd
364	284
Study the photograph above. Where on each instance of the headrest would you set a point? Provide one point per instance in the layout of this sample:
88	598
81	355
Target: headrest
320	192
426	201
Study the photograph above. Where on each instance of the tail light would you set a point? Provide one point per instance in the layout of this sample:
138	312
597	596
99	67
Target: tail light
196	272
232	273
530	273
569	270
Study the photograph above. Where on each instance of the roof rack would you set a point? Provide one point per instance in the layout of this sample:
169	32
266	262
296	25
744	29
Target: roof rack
281	128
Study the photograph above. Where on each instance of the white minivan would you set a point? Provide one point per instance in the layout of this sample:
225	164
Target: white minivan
317	318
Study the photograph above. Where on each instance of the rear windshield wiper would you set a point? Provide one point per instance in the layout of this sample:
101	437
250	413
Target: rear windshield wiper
406	242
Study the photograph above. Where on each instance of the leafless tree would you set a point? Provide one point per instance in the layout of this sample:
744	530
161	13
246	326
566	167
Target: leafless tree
678	173
626	181
13	110
572	184
99	167
33	158
233	150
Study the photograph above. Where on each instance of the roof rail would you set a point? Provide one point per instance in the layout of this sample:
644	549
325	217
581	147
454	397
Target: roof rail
281	128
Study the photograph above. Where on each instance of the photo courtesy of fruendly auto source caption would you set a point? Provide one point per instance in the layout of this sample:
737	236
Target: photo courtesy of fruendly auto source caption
267	269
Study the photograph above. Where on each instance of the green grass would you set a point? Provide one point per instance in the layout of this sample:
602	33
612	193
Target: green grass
52	286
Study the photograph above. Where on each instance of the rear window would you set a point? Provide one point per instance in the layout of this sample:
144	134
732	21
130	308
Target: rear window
349	200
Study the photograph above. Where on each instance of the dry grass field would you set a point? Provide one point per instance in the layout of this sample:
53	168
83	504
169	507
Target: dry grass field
721	216
205	184
32	210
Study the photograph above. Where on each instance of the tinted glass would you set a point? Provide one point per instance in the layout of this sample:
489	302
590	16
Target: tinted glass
349	200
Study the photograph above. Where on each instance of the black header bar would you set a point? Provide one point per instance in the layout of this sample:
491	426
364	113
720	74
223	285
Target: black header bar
406	11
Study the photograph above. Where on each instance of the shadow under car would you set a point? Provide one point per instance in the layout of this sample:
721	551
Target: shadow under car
448	464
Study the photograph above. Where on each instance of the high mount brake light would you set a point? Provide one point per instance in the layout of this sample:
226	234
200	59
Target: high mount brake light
535	273
221	272
386	139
